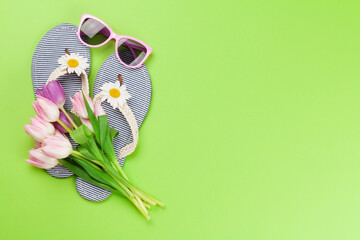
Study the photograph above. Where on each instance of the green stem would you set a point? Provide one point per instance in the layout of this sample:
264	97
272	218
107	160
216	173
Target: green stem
133	194
121	183
142	194
78	155
82	157
119	168
68	117
125	191
141	203
136	204
146	197
63	125
143	212
138	192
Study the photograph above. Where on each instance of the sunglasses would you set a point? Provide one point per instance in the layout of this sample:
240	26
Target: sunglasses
130	51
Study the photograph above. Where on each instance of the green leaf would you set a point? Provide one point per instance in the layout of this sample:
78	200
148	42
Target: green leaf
92	118
109	149
104	129
113	133
98	174
77	120
81	135
84	151
80	172
93	148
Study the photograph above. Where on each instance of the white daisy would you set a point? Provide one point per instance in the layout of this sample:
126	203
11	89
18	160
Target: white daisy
114	94
73	63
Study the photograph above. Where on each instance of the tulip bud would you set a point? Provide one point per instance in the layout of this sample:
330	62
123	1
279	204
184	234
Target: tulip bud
79	104
99	111
57	146
39	129
39	159
54	92
46	109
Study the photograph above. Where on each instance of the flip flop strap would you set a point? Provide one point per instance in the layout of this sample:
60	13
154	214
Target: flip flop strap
130	118
58	72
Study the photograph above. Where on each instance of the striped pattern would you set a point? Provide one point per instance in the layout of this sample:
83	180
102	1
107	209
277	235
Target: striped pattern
50	48
138	84
91	192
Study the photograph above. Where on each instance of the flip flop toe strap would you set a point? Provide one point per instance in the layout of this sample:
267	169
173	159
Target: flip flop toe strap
58	72
130	118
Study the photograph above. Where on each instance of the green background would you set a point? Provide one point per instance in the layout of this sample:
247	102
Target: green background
253	130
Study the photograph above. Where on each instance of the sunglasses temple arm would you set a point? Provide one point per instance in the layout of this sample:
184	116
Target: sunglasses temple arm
135	46
132	50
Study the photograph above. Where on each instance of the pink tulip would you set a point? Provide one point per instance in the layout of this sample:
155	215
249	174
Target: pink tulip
79	104
39	159
39	129
46	109
57	146
87	123
99	111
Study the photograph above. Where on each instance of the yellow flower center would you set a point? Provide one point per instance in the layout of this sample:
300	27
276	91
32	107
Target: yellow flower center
115	93
73	63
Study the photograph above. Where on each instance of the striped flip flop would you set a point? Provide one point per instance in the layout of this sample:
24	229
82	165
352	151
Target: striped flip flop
125	119
45	60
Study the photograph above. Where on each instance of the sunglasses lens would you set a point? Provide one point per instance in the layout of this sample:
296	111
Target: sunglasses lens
93	32
131	52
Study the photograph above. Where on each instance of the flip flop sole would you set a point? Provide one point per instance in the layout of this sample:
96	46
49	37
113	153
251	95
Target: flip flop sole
138	84
50	48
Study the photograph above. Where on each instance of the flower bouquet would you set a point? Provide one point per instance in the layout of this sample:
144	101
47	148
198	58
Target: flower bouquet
94	158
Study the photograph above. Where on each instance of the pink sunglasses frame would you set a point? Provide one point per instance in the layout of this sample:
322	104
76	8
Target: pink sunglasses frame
116	37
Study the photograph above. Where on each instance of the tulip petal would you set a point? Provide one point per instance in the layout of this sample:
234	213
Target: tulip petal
39	129
55	93
57	146
99	111
46	109
79	104
36	163
40	92
38	158
87	123
35	132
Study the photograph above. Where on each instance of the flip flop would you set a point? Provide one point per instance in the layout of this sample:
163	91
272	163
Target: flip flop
45	60
125	119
